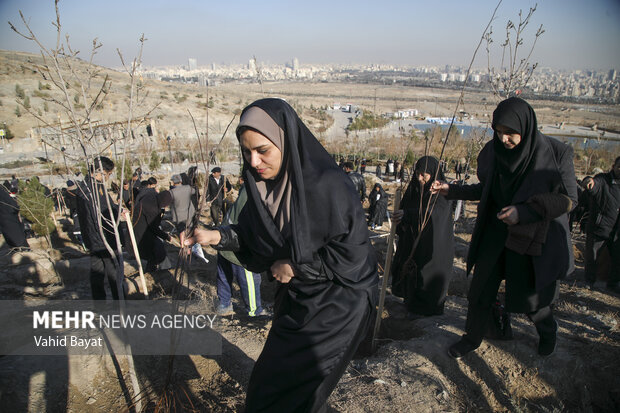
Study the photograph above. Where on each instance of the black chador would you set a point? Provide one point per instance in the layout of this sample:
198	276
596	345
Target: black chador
534	177
422	276
10	225
378	206
311	215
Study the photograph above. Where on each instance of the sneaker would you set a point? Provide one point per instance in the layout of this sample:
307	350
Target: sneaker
224	310
547	342
461	348
264	314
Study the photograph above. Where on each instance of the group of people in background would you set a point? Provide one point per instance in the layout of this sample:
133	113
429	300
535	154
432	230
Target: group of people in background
299	219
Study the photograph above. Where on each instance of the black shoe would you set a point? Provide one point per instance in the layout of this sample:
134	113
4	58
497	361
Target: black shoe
460	349
615	288
547	342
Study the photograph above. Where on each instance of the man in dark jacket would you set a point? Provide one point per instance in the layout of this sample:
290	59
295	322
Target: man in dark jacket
602	226
96	214
216	192
358	180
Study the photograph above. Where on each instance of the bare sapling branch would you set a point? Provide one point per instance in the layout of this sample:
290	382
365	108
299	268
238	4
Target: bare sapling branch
514	74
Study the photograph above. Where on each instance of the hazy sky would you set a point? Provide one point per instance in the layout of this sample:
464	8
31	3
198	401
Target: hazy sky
579	34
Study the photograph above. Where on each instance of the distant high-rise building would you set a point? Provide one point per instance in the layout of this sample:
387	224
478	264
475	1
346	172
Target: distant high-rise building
612	75
252	65
295	63
192	64
213	66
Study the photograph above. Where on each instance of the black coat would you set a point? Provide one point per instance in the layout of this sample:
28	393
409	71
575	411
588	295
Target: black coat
378	207
215	191
551	171
88	193
70	199
322	313
424	285
11	226
359	183
604	204
146	226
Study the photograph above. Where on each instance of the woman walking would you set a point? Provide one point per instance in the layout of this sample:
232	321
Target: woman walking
304	223
527	188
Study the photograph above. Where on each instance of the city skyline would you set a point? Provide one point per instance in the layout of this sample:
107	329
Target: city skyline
578	35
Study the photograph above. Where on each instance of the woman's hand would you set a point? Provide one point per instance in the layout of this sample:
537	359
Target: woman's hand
440	187
282	271
509	215
397	216
201	236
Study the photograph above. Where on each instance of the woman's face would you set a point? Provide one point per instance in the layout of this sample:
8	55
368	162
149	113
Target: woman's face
507	136
423	177
261	154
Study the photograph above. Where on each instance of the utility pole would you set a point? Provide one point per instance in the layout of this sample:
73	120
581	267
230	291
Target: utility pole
170	154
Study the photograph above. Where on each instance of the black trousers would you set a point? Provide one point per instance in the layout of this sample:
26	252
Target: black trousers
521	296
102	267
216	213
594	246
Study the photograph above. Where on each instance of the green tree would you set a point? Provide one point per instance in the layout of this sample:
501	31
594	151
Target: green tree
127	171
19	92
7	132
44	86
410	158
155	161
26	102
368	120
36	207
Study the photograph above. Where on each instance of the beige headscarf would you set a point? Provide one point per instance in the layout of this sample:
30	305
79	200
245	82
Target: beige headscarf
275	193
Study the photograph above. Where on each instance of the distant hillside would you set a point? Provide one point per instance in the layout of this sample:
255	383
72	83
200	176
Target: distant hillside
168	105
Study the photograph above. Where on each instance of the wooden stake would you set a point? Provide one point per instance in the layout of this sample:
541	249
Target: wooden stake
386	273
136	253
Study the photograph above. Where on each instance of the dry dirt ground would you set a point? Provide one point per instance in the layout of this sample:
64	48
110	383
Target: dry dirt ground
410	371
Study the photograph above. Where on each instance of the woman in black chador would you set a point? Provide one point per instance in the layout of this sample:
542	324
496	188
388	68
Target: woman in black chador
378	206
527	188
304	223
422	279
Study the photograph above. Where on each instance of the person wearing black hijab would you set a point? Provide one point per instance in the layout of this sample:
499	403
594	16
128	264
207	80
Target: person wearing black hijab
146	218
527	188
377	210
11	226
421	274
314	243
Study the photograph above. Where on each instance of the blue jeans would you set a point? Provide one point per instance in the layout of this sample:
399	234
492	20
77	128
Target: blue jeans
249	284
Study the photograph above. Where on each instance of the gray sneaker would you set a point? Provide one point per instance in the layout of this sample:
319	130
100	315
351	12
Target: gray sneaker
225	310
264	314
